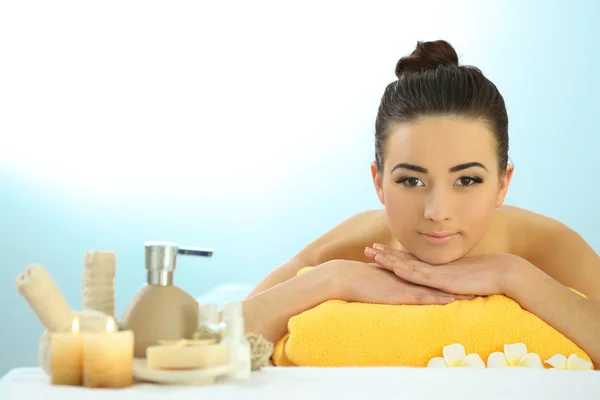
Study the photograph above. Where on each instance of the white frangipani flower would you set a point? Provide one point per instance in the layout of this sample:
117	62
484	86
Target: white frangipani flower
515	355
574	362
455	357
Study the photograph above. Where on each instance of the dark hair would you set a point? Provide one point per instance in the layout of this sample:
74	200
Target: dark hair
431	83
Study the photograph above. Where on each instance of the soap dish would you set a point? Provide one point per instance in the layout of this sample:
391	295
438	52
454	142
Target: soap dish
200	376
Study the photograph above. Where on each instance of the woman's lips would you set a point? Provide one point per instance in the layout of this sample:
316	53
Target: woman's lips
438	237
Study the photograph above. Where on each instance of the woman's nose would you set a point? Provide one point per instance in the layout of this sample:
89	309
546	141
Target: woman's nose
437	207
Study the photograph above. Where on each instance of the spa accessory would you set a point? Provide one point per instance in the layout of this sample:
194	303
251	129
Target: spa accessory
340	333
186	342
98	281
66	357
572	363
52	310
208	323
190	362
94	359
235	339
261	350
45	298
108	358
455	356
200	376
89	321
183	355
515	355
98	298
160	310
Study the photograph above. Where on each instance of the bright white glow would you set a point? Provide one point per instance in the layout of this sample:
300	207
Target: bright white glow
199	99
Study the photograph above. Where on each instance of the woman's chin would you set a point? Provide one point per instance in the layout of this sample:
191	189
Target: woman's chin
439	257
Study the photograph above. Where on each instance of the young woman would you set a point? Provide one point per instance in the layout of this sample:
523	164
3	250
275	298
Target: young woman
441	171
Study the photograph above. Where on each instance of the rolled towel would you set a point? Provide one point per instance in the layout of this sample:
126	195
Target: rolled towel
44	298
338	333
97	285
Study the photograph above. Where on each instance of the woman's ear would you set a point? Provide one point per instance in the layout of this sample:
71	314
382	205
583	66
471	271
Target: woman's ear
504	184
377	182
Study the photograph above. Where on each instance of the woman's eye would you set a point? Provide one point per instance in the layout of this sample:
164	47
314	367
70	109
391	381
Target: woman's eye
468	181
411	182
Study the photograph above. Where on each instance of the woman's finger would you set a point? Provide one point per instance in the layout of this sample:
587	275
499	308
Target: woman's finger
410	270
390	250
421	294
371	253
404	266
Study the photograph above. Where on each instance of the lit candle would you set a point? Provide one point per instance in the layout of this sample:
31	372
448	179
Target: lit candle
108	358
66	355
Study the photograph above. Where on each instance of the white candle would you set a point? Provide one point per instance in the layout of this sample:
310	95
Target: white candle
108	358
66	356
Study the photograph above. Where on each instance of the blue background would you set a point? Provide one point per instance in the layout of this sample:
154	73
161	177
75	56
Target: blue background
248	127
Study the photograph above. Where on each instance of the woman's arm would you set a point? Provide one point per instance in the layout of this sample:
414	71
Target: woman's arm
575	317
280	274
268	312
566	261
344	241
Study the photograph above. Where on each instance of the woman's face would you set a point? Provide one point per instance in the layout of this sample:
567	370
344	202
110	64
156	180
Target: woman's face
440	186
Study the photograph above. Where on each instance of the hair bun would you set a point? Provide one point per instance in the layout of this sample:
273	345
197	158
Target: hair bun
427	55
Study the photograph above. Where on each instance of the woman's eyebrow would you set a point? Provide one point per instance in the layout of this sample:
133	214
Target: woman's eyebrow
411	167
456	168
460	167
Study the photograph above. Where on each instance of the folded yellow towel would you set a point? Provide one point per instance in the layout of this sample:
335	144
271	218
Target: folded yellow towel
339	333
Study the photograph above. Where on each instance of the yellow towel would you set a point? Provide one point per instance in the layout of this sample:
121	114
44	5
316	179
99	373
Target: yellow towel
339	333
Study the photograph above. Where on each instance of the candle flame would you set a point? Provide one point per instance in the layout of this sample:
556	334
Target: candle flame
110	324
75	325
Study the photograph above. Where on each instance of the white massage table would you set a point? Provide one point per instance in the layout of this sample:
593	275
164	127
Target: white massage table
335	384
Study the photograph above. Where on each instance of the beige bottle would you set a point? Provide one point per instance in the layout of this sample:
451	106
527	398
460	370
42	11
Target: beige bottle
160	310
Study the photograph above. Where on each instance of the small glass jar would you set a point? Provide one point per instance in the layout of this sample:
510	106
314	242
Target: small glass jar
208	323
235	339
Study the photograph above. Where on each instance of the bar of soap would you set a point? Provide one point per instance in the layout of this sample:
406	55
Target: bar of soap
186	357
185	342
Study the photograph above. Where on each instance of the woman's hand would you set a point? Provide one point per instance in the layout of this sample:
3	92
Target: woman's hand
369	283
479	275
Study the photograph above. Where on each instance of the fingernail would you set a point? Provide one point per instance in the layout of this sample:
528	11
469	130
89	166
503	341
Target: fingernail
370	251
449	299
377	246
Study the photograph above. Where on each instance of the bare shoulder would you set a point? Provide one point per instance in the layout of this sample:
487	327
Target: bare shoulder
348	239
554	247
525	230
518	214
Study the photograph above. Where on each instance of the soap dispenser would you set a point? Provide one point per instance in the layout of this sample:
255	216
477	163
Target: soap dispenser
161	310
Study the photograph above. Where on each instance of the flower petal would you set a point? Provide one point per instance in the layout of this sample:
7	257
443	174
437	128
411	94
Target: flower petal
558	361
531	360
453	354
496	360
514	352
437	362
472	361
576	362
